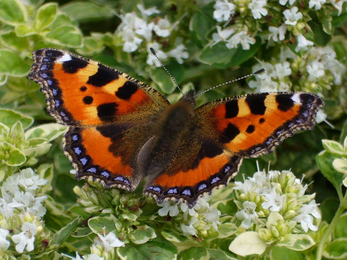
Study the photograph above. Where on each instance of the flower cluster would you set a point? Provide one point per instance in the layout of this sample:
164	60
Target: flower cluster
318	72
135	31
248	15
122	229
274	206
275	191
200	221
21	211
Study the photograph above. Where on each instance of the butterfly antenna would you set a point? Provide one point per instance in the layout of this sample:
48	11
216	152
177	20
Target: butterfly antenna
173	79
231	81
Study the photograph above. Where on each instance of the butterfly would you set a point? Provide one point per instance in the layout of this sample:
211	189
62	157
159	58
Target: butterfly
120	131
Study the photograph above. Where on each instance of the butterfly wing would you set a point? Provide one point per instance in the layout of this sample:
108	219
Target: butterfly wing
103	108
253	125
227	131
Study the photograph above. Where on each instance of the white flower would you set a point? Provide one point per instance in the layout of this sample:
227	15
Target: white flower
283	2
222	35
32	203
317	4
4	243
168	207
338	4
189	229
277	33
336	68
151	59
26	238
26	179
292	16
241	37
6	209
128	22
163	28
144	29
315	70
273	201
223	10
305	216
321	116
259	178
92	257
110	241
212	216
131	42
85	257
147	12
257	7
302	43
186	210
248	214
283	70
245	187
179	53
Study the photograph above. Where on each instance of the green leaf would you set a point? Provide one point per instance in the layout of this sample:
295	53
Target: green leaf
340	230
248	243
23	30
99	224
226	230
11	40
11	155
339	20
337	249
45	16
37	147
163	79
68	36
65	232
217	55
201	24
334	147
11	64
217	254
12	12
221	57
321	38
46	131
302	242
325	161
196	253
46	172
85	11
9	118
142	234
154	250
286	254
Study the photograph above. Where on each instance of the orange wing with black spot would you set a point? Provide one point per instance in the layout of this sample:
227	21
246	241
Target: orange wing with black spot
103	108
228	131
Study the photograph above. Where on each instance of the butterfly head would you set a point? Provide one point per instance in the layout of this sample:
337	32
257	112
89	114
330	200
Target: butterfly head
189	98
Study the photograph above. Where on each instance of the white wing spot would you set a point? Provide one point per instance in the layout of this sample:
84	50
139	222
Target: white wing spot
296	98
65	57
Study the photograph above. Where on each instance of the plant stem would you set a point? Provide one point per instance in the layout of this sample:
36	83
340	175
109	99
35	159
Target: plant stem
331	227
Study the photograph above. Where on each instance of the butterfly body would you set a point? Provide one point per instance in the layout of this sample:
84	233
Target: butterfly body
121	131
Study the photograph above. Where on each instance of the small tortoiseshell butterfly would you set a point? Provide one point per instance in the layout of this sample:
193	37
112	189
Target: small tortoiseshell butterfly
121	131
